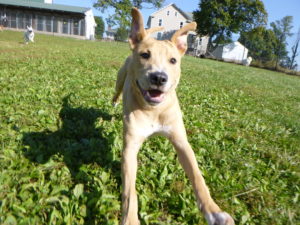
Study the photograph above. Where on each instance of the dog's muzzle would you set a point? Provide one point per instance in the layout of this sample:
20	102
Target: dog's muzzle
152	96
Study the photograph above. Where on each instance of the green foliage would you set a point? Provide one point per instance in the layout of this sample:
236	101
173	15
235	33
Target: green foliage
121	34
261	43
100	27
219	19
282	29
61	139
122	9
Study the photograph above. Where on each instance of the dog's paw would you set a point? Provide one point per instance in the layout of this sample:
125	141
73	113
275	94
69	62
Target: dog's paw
114	104
220	218
115	101
133	222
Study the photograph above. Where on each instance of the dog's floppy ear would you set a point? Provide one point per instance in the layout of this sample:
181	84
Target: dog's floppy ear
138	32
179	38
154	29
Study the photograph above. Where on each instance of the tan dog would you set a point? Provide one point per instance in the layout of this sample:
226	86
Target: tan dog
148	79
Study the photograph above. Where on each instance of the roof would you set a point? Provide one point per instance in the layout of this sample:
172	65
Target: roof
231	44
45	6
187	15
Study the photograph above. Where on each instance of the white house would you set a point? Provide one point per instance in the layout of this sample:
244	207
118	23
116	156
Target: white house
232	52
197	46
173	18
110	34
48	18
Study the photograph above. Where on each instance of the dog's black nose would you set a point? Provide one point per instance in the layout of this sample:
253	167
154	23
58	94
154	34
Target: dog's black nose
158	78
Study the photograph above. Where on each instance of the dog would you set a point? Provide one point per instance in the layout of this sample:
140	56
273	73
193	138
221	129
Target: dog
29	35
148	80
247	62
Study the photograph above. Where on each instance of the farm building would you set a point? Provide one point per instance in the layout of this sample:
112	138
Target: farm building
232	52
46	17
173	18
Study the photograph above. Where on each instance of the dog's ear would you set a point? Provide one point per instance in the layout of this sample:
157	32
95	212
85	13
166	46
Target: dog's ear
154	29
179	38
138	32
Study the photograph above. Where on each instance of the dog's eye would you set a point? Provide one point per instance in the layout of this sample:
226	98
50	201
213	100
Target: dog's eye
145	55
173	60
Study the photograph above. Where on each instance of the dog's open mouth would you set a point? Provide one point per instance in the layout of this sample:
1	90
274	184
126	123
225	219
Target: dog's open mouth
153	96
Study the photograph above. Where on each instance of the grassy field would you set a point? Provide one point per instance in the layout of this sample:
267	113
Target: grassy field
61	140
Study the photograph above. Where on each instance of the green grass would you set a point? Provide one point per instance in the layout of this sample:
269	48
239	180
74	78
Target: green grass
61	140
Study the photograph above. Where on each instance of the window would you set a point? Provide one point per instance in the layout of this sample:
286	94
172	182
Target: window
48	24
20	22
13	20
181	24
76	27
175	13
65	26
40	23
168	13
82	27
159	36
160	22
28	20
54	25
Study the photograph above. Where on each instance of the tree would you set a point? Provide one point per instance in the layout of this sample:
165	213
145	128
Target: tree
282	29
220	18
121	34
261	43
100	27
295	53
122	8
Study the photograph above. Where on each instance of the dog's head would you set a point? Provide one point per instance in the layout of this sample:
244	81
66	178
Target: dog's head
156	64
29	29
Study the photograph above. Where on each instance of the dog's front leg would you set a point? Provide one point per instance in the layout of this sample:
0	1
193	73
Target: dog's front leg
129	168
187	158
120	81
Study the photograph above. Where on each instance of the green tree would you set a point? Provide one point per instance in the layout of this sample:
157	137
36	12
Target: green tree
100	27
219	19
282	29
261	43
122	9
121	34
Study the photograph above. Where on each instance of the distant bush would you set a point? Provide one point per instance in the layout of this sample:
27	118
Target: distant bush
271	65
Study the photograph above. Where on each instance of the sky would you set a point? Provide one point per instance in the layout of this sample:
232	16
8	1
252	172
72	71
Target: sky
277	9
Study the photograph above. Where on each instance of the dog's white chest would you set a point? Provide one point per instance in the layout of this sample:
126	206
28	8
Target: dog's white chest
154	128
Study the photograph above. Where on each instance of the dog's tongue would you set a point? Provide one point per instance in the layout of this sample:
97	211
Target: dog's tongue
155	96
154	93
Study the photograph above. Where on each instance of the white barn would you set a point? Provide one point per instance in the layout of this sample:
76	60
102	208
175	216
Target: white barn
232	52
